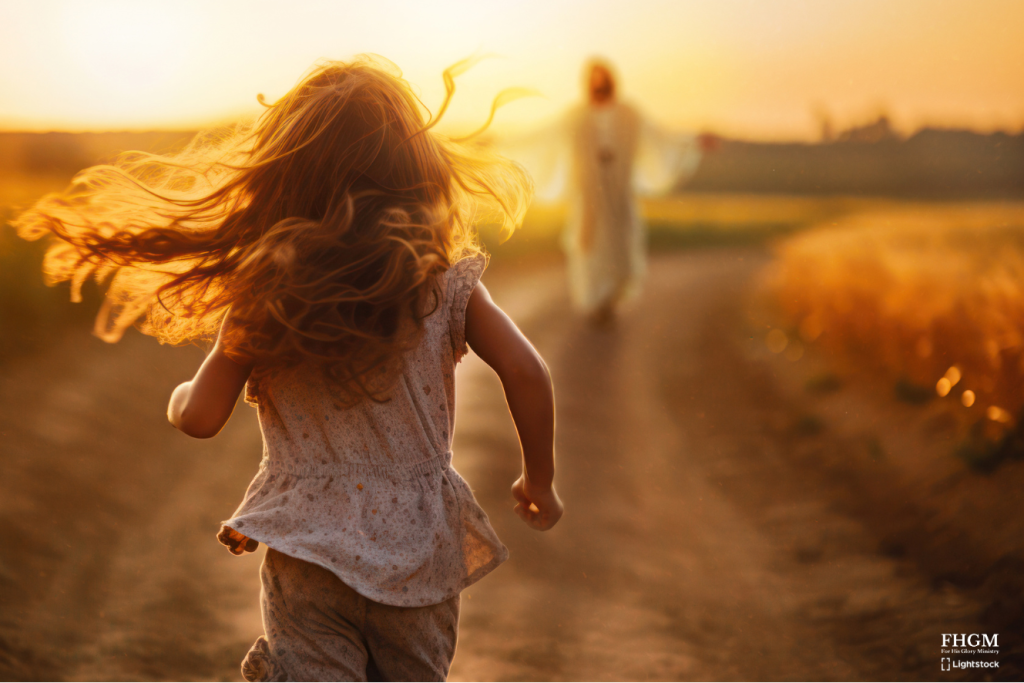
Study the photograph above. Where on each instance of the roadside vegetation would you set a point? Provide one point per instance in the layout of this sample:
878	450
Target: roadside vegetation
929	295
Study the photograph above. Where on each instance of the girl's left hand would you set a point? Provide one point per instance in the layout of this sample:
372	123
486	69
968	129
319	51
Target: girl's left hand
540	508
238	544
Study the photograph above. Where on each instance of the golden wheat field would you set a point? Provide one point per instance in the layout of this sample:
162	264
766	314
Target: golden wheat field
929	294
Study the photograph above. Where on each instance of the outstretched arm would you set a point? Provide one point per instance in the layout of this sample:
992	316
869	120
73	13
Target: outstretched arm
524	376
201	407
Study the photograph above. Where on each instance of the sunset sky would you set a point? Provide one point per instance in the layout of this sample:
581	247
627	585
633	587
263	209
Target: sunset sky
758	69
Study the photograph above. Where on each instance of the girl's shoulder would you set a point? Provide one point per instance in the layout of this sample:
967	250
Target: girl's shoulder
459	282
465	272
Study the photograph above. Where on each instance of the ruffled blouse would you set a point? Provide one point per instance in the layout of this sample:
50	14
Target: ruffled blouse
368	492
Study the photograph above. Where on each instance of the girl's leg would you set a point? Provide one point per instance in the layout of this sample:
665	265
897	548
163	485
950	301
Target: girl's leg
311	620
412	643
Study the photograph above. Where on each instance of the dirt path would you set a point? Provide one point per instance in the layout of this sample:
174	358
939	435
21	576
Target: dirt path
701	541
108	565
697	542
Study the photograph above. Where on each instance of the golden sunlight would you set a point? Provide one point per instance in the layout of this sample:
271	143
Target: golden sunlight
767	71
120	56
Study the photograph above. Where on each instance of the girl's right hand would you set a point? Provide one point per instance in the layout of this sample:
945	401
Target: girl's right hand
539	508
238	544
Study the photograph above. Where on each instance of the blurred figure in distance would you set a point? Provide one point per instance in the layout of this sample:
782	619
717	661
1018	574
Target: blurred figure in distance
598	157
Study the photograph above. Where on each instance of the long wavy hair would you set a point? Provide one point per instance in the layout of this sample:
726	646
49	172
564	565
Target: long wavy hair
322	227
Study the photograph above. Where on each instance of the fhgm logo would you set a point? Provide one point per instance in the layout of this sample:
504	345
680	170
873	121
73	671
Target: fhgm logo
970	640
972	645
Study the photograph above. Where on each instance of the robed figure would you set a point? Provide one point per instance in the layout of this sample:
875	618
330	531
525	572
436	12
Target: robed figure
598	157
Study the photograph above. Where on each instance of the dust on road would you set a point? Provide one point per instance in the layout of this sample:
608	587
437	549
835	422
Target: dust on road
694	544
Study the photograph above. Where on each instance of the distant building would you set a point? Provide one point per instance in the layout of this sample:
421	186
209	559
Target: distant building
826	129
877	131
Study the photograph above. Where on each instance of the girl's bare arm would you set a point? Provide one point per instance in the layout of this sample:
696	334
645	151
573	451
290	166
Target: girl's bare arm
201	407
524	376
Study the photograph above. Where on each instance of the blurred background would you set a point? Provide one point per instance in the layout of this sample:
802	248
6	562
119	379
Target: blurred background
797	456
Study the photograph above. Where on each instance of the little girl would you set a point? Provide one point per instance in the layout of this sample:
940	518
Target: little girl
331	243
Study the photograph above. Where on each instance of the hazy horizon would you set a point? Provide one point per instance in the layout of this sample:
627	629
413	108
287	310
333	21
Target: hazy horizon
740	68
183	130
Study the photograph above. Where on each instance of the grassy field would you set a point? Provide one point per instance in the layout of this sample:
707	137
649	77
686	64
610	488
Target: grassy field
30	312
693	221
930	295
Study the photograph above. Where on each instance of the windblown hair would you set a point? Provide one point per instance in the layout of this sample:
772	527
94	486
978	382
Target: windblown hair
321	227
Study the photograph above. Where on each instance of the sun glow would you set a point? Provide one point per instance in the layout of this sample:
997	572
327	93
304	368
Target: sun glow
119	61
123	60
767	70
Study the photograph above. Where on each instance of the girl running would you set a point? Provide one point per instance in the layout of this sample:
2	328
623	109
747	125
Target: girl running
330	250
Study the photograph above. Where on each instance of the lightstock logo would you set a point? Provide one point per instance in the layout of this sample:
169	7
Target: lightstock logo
972	645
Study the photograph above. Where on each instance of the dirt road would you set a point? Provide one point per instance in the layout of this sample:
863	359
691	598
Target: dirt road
703	539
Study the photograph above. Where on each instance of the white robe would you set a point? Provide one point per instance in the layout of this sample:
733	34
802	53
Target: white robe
598	159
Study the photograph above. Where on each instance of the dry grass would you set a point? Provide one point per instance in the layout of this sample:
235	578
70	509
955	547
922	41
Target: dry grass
752	209
30	312
932	295
21	191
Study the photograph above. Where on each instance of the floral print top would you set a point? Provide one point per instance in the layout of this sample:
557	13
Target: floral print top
368	492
